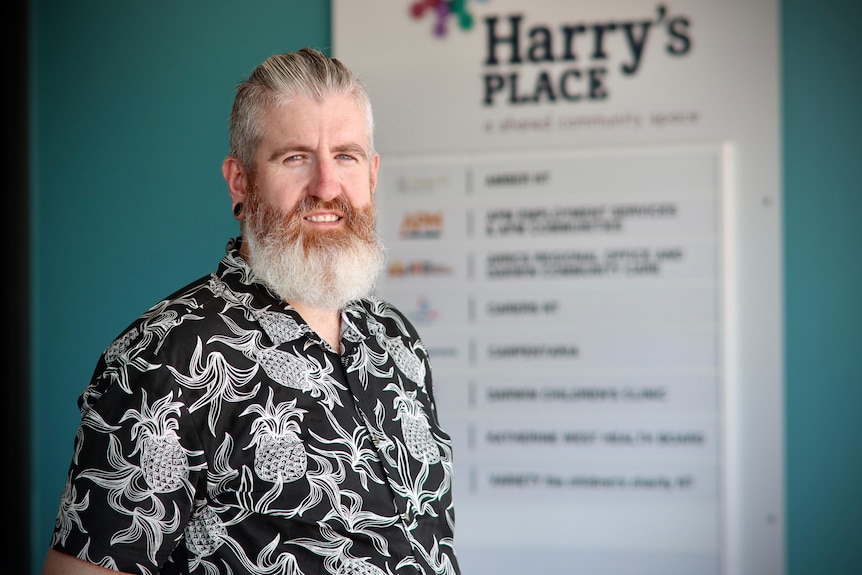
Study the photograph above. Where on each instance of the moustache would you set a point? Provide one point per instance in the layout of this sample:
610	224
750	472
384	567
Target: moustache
339	204
274	224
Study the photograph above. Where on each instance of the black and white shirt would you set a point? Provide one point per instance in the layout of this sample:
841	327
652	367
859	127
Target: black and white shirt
221	435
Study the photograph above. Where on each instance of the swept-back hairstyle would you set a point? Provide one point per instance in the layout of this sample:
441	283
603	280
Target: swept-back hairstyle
306	72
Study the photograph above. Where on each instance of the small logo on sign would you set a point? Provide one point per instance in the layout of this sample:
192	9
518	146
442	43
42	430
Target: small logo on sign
443	11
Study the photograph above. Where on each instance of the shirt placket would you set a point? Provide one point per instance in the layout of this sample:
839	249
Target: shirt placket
382	439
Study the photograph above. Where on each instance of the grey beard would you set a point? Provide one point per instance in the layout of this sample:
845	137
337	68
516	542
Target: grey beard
326	277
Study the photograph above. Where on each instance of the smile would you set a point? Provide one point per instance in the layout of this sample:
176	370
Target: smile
323	218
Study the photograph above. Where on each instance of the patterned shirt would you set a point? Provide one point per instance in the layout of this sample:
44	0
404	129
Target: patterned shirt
221	434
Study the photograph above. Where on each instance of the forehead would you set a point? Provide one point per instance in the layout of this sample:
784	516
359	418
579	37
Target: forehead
337	116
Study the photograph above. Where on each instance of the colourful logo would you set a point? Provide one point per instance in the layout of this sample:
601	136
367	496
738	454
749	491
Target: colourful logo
418	225
400	269
424	312
442	11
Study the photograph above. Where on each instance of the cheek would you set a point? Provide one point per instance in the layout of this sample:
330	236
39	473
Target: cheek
282	194
360	194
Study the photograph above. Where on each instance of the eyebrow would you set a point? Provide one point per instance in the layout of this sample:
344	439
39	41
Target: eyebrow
354	149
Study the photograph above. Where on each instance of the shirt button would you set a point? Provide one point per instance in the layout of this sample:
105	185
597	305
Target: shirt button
406	516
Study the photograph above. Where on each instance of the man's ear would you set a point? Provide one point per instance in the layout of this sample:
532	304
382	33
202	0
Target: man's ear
375	165
237	180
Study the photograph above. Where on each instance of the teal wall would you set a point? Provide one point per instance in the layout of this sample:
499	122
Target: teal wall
128	127
822	155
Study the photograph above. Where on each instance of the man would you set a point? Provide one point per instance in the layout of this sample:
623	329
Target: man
273	417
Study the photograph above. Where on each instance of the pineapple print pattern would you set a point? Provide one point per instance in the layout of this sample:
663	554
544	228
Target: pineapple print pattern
414	424
281	328
120	345
280	458
358	567
164	463
205	533
409	364
285	368
220	432
279	454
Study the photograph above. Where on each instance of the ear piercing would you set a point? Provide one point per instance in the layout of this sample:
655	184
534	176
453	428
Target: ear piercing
237	209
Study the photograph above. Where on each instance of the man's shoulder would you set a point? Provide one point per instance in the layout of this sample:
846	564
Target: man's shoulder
374	306
381	311
163	316
193	295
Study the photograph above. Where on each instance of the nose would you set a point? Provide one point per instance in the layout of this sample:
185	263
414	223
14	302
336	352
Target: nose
324	181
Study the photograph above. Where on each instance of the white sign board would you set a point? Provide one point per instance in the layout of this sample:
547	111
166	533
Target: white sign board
579	204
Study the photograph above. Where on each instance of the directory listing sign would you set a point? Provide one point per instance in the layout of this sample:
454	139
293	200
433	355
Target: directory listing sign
569	303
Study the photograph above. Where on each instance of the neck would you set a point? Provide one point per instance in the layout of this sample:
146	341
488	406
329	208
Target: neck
325	322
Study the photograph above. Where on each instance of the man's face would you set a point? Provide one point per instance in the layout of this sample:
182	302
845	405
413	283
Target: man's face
315	153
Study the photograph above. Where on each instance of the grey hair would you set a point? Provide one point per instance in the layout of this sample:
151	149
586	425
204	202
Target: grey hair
306	72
